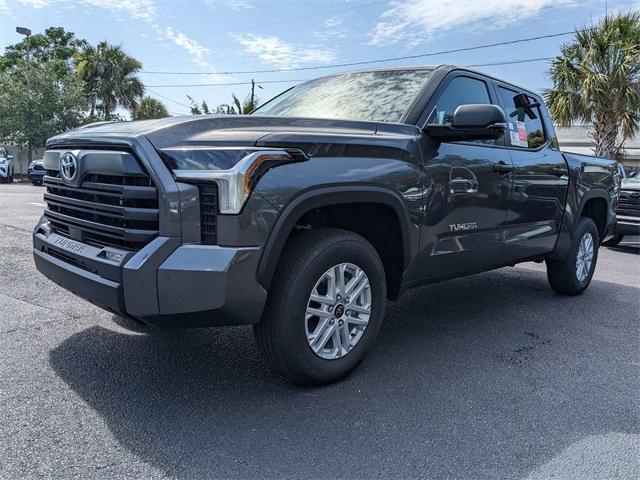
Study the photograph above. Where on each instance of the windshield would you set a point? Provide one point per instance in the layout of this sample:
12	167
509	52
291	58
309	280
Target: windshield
381	96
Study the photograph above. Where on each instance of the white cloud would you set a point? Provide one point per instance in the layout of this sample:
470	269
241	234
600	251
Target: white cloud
196	50
410	18
145	10
238	5
332	22
277	52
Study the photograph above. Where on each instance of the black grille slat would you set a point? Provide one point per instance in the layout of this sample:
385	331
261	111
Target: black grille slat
129	235
146	214
112	209
208	213
629	204
105	189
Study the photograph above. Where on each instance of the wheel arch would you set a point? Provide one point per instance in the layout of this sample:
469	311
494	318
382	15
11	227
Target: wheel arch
320	197
595	205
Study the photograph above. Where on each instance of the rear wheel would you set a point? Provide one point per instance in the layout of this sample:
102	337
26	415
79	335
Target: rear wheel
573	275
325	307
614	240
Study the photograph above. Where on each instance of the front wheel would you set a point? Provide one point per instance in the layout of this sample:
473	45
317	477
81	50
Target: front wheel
325	306
573	275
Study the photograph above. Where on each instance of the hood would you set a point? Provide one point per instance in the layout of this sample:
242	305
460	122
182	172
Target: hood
258	130
631	184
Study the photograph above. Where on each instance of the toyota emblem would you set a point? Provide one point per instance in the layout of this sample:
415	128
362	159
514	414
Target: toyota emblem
68	166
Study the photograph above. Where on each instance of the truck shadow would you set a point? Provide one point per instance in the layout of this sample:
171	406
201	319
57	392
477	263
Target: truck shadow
466	373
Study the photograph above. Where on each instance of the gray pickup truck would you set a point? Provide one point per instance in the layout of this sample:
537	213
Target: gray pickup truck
306	216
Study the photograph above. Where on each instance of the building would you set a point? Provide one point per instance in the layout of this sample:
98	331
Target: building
576	140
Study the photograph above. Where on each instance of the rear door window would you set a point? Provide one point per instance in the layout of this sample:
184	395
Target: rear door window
525	129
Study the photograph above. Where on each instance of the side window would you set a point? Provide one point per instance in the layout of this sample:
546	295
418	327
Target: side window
525	123
461	91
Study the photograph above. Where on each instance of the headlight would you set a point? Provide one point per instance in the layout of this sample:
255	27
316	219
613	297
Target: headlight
234	170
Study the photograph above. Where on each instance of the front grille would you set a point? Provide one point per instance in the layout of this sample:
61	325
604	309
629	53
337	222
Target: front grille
208	214
105	210
629	203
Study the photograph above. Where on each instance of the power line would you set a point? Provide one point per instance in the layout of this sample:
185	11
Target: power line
369	62
229	84
512	62
167	98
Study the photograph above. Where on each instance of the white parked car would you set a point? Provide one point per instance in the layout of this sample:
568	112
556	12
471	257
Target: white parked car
6	166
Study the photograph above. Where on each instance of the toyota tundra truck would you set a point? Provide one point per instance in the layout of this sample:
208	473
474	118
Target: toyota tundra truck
306	216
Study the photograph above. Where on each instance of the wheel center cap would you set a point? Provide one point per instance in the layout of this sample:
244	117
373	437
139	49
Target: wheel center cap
339	311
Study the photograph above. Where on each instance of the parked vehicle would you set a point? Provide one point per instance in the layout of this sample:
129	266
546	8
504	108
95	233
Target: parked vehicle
627	211
36	171
6	166
304	217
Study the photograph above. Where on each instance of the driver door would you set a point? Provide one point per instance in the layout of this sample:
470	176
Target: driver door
466	190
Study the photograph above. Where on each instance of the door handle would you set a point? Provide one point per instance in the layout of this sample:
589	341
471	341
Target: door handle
502	167
559	172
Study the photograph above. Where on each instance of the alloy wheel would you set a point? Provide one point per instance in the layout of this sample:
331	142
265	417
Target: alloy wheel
584	257
338	311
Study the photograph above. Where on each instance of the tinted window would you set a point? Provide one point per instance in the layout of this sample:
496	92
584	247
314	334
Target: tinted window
525	124
461	91
382	96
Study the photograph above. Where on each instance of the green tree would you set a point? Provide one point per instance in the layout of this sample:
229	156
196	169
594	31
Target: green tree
199	108
54	44
597	80
237	107
150	108
110	78
55	104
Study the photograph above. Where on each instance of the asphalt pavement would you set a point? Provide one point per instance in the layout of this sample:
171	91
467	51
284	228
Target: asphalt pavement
490	376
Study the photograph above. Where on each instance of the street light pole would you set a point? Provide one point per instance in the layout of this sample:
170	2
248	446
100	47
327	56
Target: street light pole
26	32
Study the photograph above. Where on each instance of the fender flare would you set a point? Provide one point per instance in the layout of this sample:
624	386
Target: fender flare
324	197
590	194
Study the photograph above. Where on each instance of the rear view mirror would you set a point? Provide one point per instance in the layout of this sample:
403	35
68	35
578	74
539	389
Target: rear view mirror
471	122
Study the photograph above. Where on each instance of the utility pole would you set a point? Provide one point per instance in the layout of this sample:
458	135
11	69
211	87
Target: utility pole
26	32
253	93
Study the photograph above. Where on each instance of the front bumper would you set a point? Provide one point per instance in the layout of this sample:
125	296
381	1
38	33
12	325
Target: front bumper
36	175
165	284
627	225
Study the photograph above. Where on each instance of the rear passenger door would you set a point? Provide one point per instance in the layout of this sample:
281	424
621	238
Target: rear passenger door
539	181
466	188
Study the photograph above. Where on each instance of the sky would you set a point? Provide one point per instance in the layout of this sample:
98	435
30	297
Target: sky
197	48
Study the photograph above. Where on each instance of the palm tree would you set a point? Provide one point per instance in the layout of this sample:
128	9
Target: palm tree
237	107
110	78
597	80
150	108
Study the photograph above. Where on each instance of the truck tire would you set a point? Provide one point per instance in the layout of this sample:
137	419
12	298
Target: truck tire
314	330
614	241
573	275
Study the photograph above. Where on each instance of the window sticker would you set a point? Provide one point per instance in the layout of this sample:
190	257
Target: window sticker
522	134
515	139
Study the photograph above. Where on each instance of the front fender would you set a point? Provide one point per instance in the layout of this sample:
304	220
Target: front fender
333	195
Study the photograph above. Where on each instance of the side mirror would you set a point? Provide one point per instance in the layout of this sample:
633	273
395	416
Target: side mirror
471	122
10	157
